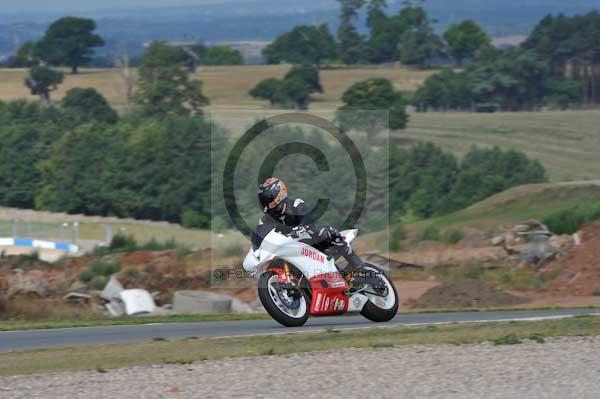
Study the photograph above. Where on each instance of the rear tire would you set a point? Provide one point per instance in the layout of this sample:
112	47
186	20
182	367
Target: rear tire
373	312
273	309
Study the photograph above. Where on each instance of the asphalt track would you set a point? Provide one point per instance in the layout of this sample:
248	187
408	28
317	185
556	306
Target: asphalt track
65	337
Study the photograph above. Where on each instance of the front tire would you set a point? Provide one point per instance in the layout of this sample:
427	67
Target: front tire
277	306
384	312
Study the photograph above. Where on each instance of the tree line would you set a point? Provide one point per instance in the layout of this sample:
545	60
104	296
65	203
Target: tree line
557	66
70	41
407	37
78	156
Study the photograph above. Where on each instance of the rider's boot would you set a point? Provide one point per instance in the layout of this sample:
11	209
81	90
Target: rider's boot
355	263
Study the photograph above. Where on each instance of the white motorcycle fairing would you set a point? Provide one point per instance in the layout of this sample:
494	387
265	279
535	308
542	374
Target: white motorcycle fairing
314	266
275	245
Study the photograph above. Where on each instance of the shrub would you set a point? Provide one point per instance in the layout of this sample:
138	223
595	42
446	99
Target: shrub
398	234
453	236
86	276
154	245
98	282
511	339
192	219
99	268
431	233
122	242
569	221
218	224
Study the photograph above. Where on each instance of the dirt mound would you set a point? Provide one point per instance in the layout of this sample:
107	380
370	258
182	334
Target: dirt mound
466	294
580	268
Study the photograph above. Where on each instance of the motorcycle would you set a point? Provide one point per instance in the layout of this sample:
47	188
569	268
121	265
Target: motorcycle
295	281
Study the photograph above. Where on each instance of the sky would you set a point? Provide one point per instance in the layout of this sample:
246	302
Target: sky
12	6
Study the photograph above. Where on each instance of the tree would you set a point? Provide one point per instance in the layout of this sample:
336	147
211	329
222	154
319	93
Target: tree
222	55
514	81
70	41
446	90
26	56
42	80
308	74
418	43
303	44
485	172
385	33
89	105
293	90
164	85
28	131
420	179
293	93
419	46
85	172
350	42
363	100
266	89
168	166
570	45
562	92
465	39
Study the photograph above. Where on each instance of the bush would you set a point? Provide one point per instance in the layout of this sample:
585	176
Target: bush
569	221
398	234
98	283
511	339
192	219
453	236
99	268
154	245
218	224
122	242
431	233
86	276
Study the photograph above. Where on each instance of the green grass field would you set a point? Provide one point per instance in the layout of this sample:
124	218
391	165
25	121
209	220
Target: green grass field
512	206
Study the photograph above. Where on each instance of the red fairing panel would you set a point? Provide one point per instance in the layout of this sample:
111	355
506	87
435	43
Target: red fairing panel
328	295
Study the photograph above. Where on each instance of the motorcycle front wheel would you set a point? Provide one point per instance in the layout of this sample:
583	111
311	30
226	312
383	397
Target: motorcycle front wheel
288	310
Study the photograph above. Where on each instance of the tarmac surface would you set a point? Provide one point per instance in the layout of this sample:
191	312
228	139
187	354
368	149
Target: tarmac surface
66	337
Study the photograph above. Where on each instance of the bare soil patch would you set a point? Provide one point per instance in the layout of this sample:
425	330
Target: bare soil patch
580	273
466	294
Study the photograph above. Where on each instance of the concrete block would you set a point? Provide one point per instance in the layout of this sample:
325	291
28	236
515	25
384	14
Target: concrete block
201	302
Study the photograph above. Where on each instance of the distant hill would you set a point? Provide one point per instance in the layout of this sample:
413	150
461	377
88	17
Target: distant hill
257	19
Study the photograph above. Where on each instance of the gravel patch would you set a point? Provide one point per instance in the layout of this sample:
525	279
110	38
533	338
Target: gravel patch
560	368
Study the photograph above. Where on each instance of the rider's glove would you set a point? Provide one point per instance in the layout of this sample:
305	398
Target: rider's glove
302	233
332	235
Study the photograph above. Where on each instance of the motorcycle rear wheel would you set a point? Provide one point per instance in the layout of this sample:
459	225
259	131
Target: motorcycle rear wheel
276	307
385	313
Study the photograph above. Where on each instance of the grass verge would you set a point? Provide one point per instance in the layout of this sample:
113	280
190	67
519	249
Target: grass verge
12	325
159	351
21	325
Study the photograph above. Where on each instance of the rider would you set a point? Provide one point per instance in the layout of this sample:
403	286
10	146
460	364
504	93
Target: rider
292	217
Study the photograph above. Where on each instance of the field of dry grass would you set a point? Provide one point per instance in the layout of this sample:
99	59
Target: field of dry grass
227	87
567	143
